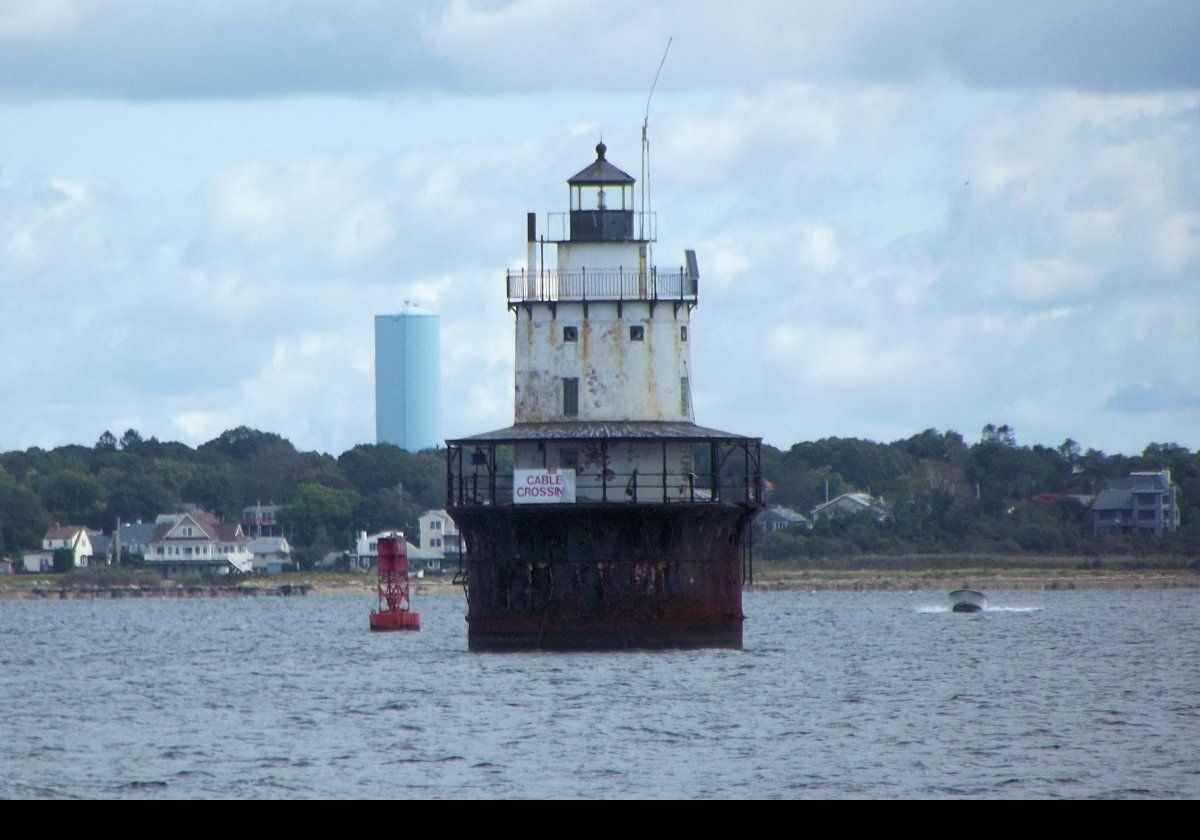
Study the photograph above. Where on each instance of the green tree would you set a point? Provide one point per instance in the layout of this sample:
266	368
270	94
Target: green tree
314	508
64	560
106	442
130	441
74	497
23	519
137	494
214	487
387	509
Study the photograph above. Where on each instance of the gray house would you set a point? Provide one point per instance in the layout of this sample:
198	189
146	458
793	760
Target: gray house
777	518
1142	502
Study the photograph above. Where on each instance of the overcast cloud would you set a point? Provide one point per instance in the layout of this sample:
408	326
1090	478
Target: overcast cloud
907	214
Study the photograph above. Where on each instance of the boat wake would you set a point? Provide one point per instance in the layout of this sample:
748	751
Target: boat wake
988	609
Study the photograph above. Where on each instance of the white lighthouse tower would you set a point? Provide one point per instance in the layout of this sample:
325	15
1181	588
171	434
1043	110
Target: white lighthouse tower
601	334
604	516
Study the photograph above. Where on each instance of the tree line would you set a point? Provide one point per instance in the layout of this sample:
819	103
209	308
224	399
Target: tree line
947	496
944	494
131	478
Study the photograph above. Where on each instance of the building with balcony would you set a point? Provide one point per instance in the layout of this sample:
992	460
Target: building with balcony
196	541
1140	503
259	520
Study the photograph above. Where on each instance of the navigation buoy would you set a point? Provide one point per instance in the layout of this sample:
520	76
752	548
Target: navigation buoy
394	611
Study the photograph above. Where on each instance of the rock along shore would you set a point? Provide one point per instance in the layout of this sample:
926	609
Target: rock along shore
166	590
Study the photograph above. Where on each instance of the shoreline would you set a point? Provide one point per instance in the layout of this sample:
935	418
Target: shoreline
990	579
44	588
774	580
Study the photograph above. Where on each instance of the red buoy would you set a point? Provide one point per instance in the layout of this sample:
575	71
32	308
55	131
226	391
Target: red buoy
393	612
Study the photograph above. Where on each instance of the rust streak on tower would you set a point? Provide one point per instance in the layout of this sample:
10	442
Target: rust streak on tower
604	517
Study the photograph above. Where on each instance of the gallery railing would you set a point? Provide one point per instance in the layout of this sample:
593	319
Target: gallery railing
606	284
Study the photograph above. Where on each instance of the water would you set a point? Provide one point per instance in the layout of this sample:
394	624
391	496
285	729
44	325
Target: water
1047	694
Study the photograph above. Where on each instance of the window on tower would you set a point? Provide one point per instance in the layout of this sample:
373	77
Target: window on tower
570	397
683	333
570	333
637	333
685	396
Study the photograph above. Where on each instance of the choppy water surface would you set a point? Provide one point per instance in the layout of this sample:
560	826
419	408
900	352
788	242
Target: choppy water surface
1047	694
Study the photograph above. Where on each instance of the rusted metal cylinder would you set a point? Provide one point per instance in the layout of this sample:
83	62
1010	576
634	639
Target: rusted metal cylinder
597	577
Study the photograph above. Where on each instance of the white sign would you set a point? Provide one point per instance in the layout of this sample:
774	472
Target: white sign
543	487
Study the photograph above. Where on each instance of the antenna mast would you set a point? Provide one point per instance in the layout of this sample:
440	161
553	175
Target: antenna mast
646	147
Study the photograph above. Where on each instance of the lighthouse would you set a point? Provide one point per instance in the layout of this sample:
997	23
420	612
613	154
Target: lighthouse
604	517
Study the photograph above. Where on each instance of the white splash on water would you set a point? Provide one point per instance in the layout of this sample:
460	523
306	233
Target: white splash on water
932	610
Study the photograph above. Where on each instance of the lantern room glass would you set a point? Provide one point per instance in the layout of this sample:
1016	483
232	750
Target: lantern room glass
601	197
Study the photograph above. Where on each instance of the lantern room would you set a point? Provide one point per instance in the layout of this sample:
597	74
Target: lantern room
601	202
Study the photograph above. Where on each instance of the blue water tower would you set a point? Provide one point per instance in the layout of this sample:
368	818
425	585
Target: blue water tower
408	410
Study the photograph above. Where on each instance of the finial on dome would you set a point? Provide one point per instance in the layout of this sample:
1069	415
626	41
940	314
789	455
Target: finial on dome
600	150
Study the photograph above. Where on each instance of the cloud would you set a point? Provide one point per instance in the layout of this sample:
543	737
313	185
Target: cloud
173	49
38	18
876	258
1161	396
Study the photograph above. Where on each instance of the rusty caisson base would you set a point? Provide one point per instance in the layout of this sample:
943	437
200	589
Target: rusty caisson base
602	577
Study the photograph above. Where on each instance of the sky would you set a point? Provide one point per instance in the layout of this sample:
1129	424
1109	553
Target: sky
907	214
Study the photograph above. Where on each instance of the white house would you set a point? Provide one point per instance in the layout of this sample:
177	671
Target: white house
366	552
439	535
271	554
73	538
198	541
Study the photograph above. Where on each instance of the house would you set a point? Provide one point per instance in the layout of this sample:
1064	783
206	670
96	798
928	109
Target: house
271	555
779	518
259	520
102	548
439	535
853	503
366	553
1142	502
72	538
135	538
196	541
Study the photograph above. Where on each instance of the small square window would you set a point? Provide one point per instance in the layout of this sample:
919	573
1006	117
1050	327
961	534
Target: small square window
637	333
570	333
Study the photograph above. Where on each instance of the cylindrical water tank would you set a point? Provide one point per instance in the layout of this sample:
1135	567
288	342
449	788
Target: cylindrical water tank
408	379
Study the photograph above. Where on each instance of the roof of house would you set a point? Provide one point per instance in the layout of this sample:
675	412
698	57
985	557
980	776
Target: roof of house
862	500
785	513
137	533
63	532
213	529
1118	492
269	545
417	553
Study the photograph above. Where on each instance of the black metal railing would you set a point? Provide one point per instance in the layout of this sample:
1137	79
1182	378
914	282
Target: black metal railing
474	477
605	284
